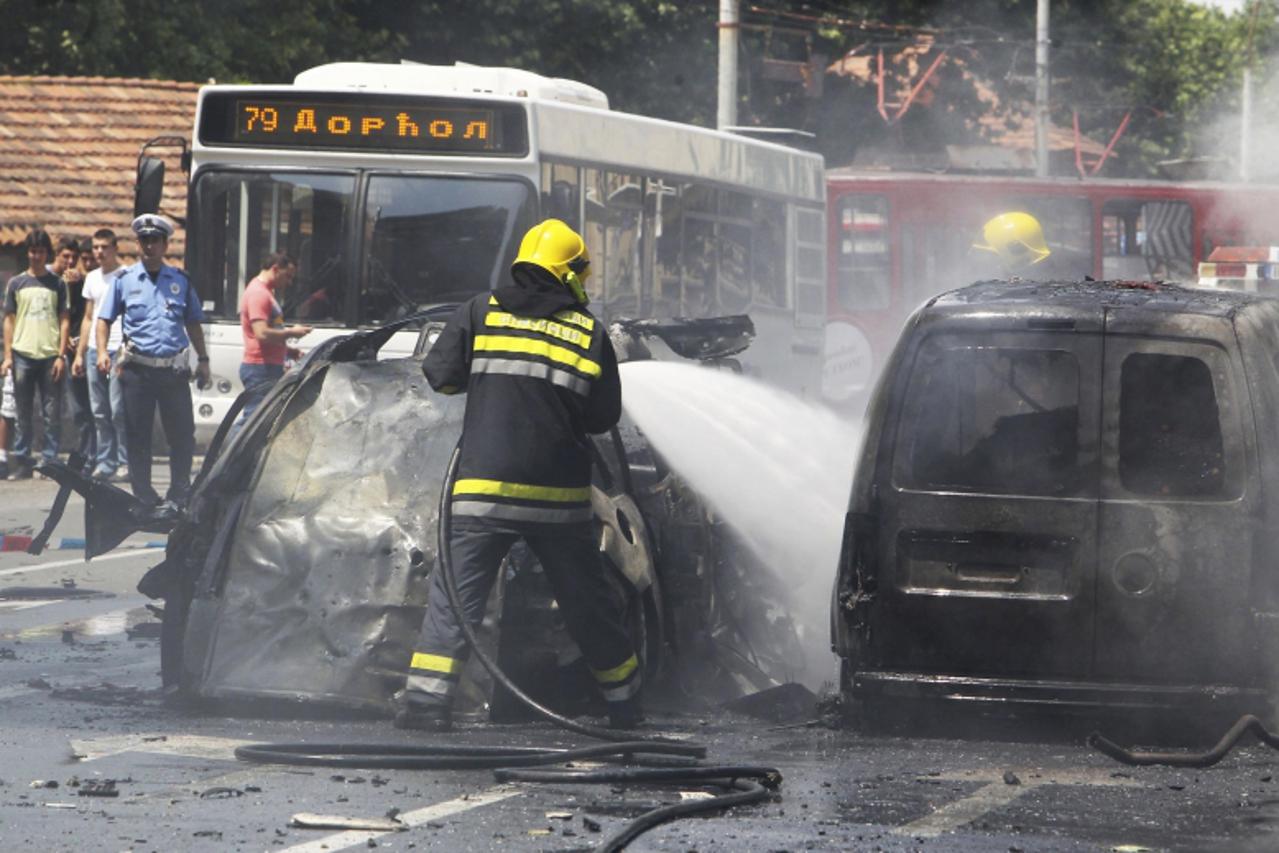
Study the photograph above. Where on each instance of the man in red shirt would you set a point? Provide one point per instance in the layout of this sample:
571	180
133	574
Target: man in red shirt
265	335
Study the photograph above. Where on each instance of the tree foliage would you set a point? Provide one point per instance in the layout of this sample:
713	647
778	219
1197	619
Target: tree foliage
1176	64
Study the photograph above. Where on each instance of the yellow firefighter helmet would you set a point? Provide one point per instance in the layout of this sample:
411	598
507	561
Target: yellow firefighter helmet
559	250
1017	238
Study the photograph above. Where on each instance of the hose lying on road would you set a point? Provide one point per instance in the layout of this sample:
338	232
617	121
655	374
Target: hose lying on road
746	784
1247	723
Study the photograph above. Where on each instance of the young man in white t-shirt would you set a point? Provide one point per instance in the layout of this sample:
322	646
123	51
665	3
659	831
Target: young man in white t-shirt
106	396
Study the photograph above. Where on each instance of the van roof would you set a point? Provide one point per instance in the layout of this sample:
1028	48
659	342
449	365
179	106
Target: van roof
1086	298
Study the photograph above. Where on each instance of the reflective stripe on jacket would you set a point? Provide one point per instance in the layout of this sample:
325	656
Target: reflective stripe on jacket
536	387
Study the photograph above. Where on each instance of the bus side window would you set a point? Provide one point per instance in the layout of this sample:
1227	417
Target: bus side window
698	258
865	261
559	193
665	208
1146	239
810	268
768	253
594	228
623	223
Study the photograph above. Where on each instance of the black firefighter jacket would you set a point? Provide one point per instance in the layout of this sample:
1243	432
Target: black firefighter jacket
540	374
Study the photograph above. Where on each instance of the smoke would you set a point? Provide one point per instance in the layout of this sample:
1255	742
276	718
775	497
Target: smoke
778	470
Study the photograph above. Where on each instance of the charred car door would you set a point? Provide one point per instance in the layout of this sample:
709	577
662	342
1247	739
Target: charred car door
1179	504
991	519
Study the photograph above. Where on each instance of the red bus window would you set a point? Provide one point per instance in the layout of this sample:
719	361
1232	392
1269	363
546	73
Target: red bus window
1146	239
864	267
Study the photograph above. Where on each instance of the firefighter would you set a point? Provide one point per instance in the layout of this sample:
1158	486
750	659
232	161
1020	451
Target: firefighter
540	374
1017	239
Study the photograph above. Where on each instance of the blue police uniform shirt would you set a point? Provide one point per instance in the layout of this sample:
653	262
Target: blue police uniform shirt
155	311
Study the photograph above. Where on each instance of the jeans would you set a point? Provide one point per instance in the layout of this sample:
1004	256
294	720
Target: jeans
145	388
106	397
28	375
257	379
82	414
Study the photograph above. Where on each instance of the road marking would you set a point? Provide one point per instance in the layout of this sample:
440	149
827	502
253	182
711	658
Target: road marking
191	746
997	793
27	605
353	838
103	625
62	564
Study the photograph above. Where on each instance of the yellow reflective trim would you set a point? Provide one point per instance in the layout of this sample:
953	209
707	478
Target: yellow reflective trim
521	490
492	300
502	320
557	354
435	663
618	673
577	318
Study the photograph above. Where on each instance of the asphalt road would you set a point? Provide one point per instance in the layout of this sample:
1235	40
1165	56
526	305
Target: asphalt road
80	702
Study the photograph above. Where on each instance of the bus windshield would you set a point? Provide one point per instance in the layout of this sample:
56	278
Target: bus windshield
414	241
436	239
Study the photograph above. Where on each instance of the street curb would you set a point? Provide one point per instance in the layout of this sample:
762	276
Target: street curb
21	542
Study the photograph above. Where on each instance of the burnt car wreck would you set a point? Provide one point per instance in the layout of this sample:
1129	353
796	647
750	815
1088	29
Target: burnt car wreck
1066	500
298	572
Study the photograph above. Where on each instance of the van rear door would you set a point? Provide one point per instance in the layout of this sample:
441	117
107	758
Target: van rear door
987	568
1177	504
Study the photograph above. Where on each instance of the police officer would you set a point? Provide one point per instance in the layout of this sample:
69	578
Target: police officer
540	373
161	321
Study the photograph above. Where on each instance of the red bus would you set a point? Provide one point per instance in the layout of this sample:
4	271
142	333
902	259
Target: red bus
896	240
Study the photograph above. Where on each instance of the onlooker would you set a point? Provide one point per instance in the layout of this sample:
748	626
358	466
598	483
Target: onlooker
68	265
88	261
161	320
265	335
7	412
106	396
35	336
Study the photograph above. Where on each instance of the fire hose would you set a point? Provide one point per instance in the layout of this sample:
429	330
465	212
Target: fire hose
660	759
1247	723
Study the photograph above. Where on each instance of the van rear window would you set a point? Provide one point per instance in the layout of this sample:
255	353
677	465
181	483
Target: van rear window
1169	427
995	420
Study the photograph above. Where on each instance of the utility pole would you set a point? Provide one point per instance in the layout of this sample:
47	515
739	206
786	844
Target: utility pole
729	18
1041	89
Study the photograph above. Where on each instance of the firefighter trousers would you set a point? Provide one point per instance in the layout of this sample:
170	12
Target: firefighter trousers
569	554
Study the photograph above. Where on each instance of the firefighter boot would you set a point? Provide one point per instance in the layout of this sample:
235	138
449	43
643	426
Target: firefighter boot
425	716
626	713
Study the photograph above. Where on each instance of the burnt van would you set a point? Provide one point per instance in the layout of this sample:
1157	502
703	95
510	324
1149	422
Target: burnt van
1068	496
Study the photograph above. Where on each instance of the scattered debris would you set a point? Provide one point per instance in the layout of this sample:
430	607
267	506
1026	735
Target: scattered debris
785	703
540	831
221	793
559	815
306	820
8	654
160	738
216	835
144	631
58	805
68	583
592	825
39	684
1010	778
44	783
696	795
98	788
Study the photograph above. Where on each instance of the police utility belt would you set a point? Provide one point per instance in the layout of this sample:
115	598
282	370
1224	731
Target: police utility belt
179	361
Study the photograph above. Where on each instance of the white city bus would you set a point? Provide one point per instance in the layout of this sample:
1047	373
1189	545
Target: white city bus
401	187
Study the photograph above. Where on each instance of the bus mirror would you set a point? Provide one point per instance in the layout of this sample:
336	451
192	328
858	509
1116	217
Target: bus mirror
149	186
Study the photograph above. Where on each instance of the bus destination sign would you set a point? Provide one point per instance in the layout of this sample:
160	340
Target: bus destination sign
365	123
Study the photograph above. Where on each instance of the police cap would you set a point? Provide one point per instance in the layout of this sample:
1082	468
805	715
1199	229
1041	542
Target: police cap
152	224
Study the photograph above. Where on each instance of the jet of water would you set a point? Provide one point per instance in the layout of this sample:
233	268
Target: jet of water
777	469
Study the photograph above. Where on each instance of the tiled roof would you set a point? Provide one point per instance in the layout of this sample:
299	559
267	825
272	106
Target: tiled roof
69	151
